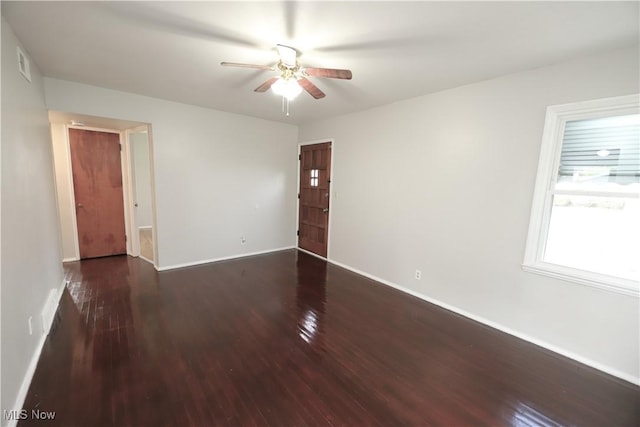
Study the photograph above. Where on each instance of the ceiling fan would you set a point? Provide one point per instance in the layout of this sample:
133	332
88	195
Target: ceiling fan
292	77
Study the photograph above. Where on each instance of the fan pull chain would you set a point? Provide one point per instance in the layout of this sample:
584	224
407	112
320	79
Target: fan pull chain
285	100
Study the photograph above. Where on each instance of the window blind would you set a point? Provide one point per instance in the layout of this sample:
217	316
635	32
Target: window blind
604	149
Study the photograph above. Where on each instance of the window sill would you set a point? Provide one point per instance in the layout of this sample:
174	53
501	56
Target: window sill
595	280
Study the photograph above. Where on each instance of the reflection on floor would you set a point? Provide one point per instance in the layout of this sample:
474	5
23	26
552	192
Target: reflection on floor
286	339
146	243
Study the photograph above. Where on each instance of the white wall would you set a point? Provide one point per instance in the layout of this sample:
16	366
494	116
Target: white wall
140	152
218	176
31	253
443	183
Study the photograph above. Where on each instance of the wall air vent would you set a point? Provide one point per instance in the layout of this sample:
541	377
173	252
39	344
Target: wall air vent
23	65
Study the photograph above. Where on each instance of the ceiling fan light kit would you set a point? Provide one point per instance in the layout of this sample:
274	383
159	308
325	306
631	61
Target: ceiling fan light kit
293	78
288	88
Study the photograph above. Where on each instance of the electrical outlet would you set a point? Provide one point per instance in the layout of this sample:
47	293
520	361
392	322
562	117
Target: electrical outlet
30	325
418	274
243	240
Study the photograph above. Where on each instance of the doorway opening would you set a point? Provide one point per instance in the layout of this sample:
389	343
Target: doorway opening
141	190
127	155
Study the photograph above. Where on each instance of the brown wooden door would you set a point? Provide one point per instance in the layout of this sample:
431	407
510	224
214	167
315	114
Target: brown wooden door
97	183
315	181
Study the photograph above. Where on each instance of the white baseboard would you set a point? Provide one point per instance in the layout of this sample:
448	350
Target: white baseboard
72	259
597	365
51	304
49	310
226	258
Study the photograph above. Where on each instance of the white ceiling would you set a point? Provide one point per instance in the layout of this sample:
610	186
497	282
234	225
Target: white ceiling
396	50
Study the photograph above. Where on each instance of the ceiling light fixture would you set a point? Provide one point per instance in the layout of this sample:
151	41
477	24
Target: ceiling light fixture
287	87
293	78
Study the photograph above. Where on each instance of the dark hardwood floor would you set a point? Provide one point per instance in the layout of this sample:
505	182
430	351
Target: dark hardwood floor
287	340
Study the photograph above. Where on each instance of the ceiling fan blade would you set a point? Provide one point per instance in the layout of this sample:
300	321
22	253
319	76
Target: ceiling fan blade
331	73
235	64
266	85
311	88
287	55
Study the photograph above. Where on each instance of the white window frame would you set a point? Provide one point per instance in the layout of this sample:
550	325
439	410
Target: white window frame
552	139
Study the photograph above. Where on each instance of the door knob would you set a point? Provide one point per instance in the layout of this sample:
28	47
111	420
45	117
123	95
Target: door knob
325	210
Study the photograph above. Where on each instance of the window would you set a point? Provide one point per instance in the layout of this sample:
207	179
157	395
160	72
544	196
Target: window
585	219
314	177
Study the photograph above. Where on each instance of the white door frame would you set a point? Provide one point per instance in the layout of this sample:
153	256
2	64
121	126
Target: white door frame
131	217
131	212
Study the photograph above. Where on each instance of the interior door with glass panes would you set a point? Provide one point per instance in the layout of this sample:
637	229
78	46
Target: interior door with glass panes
315	183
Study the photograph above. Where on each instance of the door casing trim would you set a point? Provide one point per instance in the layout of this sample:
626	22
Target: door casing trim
131	215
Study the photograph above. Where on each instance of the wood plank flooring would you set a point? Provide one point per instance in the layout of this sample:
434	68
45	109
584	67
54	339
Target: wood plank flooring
286	339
